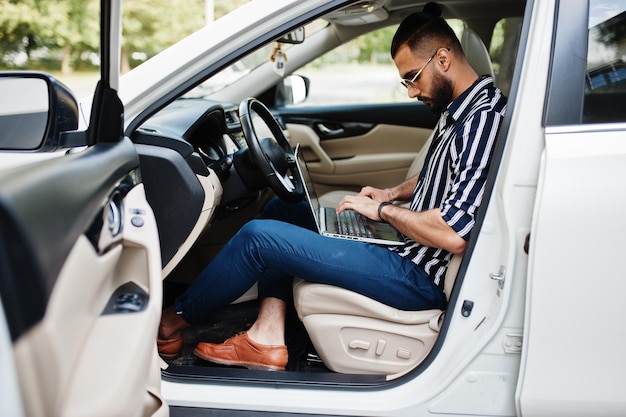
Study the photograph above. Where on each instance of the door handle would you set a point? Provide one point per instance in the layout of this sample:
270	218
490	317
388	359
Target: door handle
329	131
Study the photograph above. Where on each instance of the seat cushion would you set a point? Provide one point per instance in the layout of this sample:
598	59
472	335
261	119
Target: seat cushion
353	333
311	298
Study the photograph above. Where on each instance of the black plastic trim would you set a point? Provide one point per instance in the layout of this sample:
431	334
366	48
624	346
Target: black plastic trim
566	82
237	375
203	412
411	114
107	110
181	146
174	193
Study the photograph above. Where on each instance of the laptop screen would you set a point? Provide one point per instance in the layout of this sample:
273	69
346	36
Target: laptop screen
309	188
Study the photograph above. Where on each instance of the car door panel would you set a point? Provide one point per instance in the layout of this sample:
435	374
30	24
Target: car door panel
335	164
347	147
578	170
90	250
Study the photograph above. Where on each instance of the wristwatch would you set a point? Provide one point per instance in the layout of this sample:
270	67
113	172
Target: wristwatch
380	208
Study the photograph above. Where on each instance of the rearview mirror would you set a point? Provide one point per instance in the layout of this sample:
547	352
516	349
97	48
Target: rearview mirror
294	37
34	109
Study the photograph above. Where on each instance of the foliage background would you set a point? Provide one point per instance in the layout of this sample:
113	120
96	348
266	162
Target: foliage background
63	35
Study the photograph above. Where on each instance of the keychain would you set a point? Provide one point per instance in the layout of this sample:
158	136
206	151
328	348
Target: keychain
279	59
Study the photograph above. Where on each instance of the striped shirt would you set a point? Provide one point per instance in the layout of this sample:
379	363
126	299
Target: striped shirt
455	169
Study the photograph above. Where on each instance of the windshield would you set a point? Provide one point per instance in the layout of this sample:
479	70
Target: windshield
234	72
62	37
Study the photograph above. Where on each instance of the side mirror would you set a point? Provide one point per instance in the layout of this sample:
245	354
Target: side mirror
35	109
293	89
295	36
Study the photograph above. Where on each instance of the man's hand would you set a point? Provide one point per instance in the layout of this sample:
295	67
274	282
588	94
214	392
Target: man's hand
363	204
425	227
377	194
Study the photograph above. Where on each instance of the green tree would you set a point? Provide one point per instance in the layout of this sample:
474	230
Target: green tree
149	26
83	32
24	26
67	31
374	47
63	27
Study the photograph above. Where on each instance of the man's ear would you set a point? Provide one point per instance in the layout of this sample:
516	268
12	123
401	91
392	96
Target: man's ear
443	59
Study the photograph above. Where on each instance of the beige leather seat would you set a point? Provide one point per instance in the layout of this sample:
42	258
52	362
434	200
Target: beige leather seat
355	334
476	52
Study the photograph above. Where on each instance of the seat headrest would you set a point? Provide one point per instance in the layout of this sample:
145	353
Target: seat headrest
476	52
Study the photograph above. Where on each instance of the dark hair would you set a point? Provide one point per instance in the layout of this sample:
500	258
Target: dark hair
424	32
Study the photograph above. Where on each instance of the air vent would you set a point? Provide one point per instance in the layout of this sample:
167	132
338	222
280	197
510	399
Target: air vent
231	118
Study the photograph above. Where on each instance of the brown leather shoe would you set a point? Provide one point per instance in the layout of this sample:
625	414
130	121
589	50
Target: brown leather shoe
170	348
241	351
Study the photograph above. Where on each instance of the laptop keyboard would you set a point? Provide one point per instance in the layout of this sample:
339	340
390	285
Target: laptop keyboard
351	223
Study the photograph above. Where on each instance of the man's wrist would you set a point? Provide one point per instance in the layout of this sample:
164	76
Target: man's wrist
380	210
391	194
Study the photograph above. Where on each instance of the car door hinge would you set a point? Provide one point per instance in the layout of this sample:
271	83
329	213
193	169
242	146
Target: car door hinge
512	342
499	276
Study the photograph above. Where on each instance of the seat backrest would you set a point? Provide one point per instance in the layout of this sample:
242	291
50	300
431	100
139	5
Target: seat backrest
418	162
451	273
476	52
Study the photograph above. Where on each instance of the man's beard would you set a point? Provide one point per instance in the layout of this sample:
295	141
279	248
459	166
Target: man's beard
442	93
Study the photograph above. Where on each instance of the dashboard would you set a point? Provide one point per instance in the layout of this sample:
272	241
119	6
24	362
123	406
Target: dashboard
186	159
212	129
195	164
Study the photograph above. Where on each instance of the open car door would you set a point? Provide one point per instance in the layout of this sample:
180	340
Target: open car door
80	285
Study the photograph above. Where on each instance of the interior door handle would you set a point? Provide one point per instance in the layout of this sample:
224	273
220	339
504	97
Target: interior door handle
328	131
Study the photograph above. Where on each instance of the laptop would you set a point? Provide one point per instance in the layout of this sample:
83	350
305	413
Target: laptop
349	224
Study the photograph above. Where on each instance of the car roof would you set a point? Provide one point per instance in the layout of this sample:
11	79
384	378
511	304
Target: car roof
396	10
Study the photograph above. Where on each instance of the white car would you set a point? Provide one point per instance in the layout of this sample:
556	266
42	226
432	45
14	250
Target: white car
110	206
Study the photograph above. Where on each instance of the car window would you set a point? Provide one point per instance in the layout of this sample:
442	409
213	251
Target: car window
503	51
239	69
605	83
359	72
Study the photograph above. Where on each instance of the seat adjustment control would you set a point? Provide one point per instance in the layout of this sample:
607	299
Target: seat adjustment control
359	344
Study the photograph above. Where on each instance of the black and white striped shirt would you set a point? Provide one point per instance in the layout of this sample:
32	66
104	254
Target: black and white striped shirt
455	170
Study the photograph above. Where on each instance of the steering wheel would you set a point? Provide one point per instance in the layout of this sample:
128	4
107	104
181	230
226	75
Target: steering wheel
272	154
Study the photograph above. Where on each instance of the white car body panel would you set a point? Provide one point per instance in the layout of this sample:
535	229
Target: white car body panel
580	212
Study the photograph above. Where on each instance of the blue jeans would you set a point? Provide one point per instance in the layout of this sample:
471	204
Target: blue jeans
271	252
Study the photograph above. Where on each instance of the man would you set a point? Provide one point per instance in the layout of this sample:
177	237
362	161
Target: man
443	199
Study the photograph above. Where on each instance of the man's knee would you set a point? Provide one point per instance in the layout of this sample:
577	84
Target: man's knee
258	231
